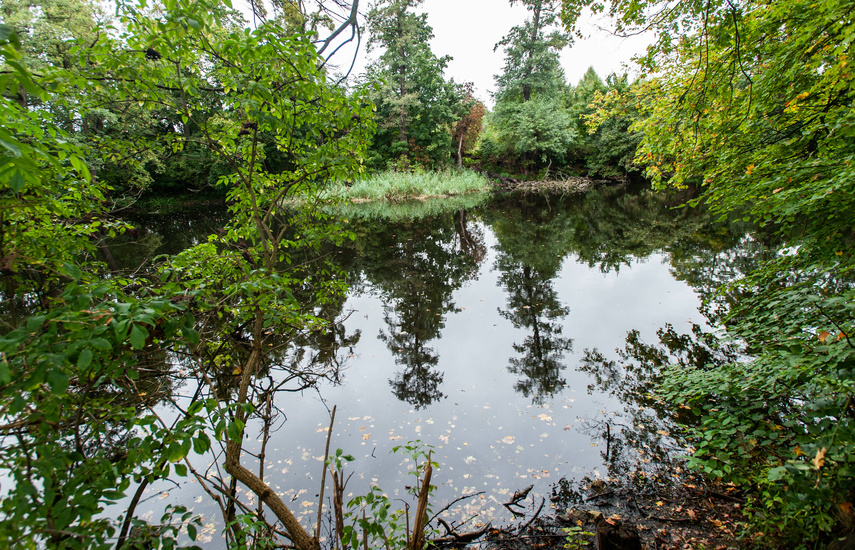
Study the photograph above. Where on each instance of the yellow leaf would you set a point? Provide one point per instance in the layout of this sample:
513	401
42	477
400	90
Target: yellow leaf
798	451
236	371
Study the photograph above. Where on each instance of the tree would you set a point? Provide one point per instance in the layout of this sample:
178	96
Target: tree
610	144
416	106
78	423
751	102
468	128
530	123
531	54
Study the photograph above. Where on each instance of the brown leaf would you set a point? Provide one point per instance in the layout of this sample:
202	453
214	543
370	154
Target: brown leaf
819	460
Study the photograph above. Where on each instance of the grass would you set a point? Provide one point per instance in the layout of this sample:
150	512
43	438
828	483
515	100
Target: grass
396	187
406	210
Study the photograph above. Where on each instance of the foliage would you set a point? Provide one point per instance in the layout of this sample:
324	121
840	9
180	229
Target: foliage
371	520
752	103
416	106
604	113
574	540
530	127
535	133
86	358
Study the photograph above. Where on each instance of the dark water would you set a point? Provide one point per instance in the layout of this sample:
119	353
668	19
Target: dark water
491	335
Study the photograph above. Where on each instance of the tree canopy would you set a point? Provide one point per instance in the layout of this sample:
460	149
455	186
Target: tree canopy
751	103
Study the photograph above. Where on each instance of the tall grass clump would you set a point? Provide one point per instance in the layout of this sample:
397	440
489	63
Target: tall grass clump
394	186
405	210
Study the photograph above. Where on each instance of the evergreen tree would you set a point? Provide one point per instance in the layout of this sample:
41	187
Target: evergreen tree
416	106
531	127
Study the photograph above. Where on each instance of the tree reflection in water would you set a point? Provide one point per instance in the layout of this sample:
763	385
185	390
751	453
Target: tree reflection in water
417	265
646	436
532	245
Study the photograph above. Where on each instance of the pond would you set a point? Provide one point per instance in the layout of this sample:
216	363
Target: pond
490	334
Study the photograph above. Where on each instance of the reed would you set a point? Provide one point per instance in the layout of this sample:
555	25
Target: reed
391	186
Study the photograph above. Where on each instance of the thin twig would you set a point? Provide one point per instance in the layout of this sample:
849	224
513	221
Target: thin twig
452	503
324	474
534	517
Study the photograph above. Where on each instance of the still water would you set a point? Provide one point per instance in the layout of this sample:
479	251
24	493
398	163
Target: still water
489	334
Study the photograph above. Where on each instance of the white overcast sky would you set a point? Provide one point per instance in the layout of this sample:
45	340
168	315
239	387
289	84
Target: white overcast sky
467	30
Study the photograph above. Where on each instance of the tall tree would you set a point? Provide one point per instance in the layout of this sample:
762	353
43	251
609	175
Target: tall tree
416	106
531	54
530	124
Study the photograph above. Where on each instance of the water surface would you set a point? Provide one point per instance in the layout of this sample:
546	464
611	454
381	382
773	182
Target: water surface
471	331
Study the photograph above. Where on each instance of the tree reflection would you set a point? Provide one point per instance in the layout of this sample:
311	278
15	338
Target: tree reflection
532	244
646	434
417	265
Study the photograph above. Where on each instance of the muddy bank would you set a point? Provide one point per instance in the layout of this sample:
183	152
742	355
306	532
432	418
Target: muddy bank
668	511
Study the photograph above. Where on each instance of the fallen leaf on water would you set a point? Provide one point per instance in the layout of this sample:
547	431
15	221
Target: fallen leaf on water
508	439
365	437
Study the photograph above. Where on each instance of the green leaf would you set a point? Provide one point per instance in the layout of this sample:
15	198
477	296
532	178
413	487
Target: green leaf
101	344
85	358
5	32
201	444
190	334
233	432
70	270
139	334
58	381
17	181
5	373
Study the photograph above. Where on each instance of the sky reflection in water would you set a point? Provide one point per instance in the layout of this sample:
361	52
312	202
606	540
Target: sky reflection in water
468	331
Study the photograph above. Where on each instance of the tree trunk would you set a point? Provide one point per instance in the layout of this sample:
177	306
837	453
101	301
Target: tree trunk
301	538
